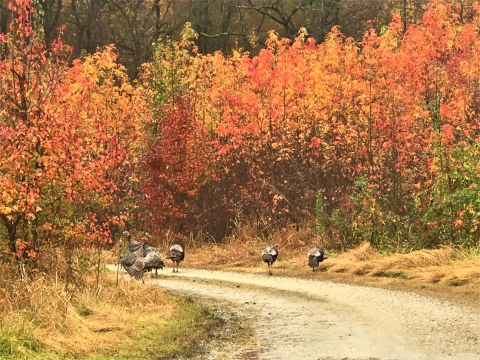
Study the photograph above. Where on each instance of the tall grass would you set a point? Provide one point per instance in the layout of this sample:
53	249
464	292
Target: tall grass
42	318
17	342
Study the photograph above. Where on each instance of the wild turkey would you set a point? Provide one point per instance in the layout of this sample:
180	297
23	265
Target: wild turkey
148	249
134	246
269	255
315	256
134	265
176	254
153	259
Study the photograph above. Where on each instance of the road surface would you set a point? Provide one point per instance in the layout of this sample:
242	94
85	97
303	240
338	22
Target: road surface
304	319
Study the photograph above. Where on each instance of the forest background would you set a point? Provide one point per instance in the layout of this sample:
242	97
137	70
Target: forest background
372	139
214	121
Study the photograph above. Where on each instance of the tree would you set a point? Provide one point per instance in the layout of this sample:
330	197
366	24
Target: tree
51	10
65	133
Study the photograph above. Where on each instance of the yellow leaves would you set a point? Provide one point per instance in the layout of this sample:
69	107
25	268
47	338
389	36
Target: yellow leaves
276	199
6	210
188	33
6	197
273	40
301	36
127	87
30	216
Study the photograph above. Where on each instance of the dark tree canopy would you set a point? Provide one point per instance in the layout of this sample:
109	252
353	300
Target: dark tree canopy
133	26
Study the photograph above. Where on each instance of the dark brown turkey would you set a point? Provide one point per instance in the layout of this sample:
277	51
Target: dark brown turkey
135	247
269	255
142	258
133	265
176	254
153	259
315	256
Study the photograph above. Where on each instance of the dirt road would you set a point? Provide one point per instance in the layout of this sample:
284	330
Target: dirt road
310	319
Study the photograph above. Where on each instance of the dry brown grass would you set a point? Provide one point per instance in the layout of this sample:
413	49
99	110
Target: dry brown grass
446	272
87	322
40	319
99	324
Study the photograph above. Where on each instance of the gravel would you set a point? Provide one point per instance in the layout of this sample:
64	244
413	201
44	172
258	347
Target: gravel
312	319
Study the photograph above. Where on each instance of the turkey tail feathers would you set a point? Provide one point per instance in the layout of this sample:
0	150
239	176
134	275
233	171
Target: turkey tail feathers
312	261
315	256
154	260
135	266
267	258
176	253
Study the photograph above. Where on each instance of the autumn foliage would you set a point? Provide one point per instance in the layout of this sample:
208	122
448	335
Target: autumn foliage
374	140
68	134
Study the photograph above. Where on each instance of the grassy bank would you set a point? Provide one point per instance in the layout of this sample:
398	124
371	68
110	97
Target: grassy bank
448	273
129	321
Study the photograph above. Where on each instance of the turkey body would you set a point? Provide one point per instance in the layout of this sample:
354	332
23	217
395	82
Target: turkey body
269	255
176	254
152	258
315	256
133	264
135	247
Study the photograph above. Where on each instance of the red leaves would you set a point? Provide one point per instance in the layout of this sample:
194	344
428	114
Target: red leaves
175	163
65	151
315	142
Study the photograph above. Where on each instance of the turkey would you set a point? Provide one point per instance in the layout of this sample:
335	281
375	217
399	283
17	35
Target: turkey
134	265
269	255
148	249
177	254
315	256
134	246
153	259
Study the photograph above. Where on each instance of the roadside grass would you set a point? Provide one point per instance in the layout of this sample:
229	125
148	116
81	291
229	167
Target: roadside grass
40	320
446	272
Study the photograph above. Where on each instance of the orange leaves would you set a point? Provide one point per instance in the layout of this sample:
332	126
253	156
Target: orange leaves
448	131
301	116
69	140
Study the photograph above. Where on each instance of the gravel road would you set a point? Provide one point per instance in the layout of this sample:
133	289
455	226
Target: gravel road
312	319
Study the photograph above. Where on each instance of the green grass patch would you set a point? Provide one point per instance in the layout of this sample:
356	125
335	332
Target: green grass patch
18	343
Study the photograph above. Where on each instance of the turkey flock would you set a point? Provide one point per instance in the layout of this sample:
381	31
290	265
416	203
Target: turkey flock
315	256
144	258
